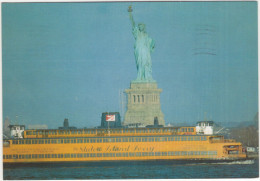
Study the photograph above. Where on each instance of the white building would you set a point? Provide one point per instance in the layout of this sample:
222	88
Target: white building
17	131
205	127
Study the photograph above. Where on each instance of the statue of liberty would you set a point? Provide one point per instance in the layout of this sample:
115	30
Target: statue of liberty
144	45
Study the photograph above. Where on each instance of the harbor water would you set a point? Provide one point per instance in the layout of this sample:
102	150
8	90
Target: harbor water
133	170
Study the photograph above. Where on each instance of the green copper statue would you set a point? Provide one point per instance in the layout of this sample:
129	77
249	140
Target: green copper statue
144	45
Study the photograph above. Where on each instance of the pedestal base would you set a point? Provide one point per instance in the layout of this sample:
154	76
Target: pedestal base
143	104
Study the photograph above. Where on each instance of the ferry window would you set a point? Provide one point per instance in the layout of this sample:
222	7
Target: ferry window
143	140
188	129
191	138
49	141
185	129
3	156
192	129
183	153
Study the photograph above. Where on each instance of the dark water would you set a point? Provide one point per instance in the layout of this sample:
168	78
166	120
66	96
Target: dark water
136	170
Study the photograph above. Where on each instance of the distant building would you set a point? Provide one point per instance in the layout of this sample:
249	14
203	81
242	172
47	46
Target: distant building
6	129
66	125
38	126
251	149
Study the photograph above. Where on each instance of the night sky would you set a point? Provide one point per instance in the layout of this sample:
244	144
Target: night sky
71	60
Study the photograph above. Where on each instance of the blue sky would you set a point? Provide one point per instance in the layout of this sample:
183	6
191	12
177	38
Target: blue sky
70	60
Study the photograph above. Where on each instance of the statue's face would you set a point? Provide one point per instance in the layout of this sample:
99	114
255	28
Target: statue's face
141	27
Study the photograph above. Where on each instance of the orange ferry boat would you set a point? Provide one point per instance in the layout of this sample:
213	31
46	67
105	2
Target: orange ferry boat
120	144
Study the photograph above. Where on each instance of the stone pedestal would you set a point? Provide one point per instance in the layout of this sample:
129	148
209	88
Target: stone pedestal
143	104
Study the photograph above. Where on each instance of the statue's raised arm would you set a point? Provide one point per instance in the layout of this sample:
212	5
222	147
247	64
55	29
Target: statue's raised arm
130	10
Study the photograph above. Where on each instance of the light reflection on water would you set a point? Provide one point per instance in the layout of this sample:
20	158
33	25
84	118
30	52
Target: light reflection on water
244	169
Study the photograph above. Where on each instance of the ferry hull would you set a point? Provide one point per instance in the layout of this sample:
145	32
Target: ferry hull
123	162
